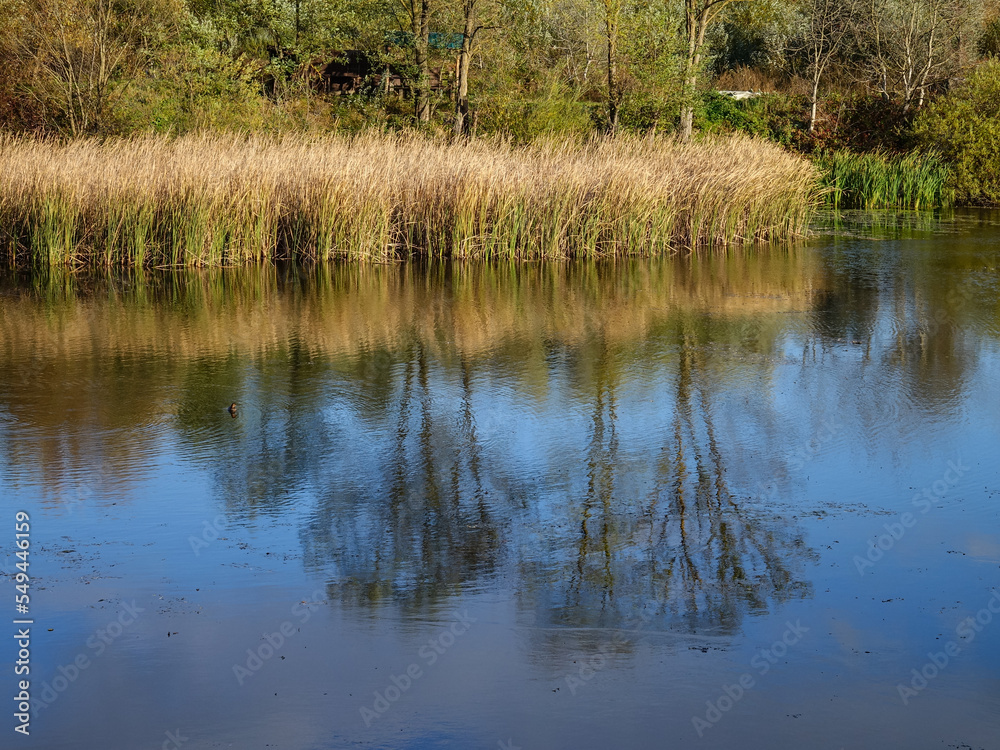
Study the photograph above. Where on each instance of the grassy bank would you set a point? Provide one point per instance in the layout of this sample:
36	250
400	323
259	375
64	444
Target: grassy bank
877	180
223	200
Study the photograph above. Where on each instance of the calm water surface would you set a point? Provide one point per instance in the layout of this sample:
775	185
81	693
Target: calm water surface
734	501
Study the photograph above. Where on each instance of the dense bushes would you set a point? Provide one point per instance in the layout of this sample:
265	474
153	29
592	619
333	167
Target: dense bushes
866	150
776	117
874	152
859	123
964	125
862	123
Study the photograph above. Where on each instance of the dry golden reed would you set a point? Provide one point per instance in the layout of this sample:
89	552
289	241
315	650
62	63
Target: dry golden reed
210	199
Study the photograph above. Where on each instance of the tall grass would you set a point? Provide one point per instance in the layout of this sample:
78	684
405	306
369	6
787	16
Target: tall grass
878	180
210	200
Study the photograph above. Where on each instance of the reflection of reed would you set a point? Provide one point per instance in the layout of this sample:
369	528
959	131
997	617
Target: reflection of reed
476	308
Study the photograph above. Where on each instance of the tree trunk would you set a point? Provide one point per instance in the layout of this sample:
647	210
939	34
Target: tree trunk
814	100
930	64
420	16
611	13
461	125
830	22
698	15
695	22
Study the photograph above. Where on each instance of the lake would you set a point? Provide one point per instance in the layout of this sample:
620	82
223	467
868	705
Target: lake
738	500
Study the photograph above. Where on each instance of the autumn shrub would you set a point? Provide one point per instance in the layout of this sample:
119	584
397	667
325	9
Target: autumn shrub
861	123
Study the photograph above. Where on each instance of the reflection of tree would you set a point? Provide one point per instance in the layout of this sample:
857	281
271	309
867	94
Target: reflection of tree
709	554
425	528
905	319
688	556
929	344
372	402
594	563
435	518
847	314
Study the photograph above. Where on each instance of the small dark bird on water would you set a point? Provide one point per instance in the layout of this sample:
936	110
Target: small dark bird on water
232	410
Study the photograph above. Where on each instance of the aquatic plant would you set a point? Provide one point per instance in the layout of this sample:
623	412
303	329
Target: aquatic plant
210	199
881	180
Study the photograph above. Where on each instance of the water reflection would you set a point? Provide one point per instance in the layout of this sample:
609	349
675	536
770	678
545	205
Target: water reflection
591	437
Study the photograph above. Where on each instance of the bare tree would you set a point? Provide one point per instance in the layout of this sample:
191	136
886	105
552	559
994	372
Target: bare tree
79	50
911	44
575	38
828	30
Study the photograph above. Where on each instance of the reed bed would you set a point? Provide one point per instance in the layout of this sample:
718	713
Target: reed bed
216	200
878	180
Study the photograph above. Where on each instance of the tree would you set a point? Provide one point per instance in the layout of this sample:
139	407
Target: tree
419	12
17	111
651	68
964	127
757	35
469	32
84	53
828	29
912	44
612	21
698	16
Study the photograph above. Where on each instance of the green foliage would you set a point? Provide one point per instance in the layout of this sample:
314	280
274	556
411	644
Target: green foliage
755	34
881	180
645	110
989	40
653	68
525	116
776	117
239	27
196	87
964	126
